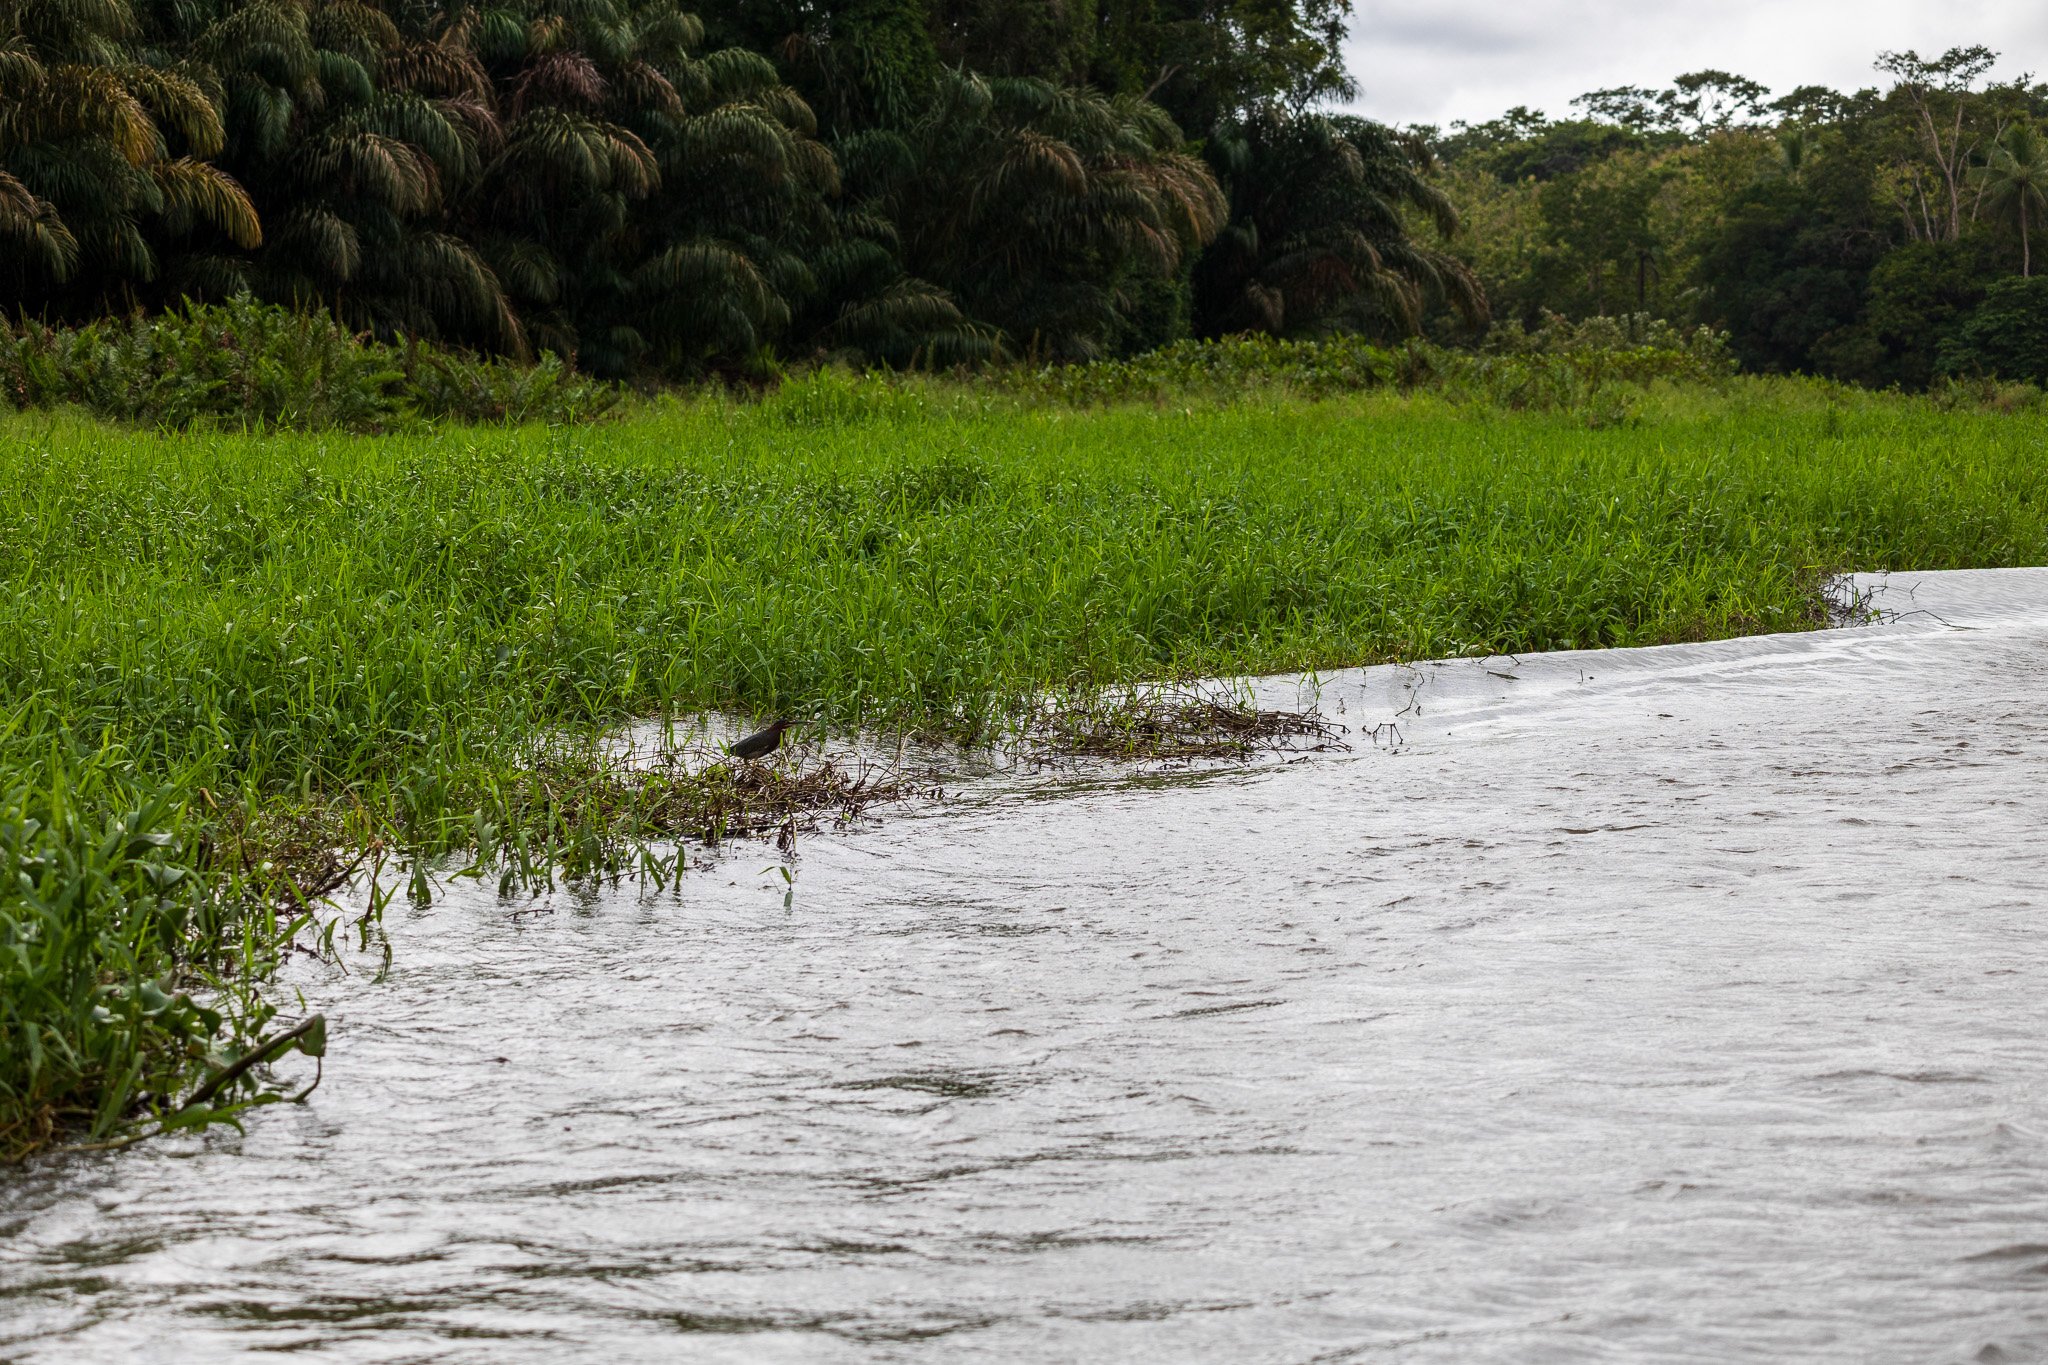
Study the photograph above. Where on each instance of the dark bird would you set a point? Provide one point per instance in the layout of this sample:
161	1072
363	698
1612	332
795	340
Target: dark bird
760	742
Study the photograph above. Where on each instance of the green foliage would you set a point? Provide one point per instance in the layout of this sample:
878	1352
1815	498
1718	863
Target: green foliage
1318	241
1045	210
125	970
831	397
1524	144
1208	62
2006	336
1916	297
243	363
447	386
1583	369
1695	103
2014	178
596	180
1787	270
1836	234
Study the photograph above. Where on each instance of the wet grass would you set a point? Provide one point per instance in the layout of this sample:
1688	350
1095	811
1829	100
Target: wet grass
309	648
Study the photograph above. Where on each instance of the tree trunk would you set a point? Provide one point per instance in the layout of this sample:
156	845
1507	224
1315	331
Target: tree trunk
1952	168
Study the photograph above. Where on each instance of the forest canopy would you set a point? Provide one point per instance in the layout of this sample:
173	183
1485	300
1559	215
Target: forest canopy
647	190
1882	236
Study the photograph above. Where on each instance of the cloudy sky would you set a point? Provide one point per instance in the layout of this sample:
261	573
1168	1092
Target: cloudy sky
1432	61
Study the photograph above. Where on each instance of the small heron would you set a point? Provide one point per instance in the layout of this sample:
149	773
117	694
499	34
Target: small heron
760	743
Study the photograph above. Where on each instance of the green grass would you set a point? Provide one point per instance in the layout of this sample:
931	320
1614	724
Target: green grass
376	629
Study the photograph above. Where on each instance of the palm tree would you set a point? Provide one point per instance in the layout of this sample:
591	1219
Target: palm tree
1795	148
642	204
1319	233
2014	182
1048	212
351	165
104	156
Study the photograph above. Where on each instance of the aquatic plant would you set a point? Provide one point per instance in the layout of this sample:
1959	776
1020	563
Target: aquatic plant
128	967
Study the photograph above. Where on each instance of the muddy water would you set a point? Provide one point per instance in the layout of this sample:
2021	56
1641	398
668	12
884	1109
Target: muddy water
1668	1005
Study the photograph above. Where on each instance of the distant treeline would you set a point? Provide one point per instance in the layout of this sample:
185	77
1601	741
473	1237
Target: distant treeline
1881	237
651	191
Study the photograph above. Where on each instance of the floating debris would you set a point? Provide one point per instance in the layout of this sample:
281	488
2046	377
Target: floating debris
1173	724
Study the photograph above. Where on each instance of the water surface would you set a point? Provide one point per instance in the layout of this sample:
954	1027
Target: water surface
1659	1005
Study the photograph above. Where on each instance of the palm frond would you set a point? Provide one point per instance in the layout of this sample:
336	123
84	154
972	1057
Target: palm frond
568	153
199	190
528	268
734	73
91	101
559	79
372	166
741	132
178	101
643	88
37	233
270	27
359	30
343	79
435	69
318	240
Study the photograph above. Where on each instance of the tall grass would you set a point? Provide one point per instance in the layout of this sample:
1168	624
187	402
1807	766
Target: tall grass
375	630
335	613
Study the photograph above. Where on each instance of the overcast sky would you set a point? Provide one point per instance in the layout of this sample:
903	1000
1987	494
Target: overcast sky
1433	61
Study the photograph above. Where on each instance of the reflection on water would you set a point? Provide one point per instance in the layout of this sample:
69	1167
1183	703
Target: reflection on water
1682	1004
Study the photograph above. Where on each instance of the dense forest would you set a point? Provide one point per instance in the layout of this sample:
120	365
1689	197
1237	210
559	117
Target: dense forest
1881	237
647	189
651	191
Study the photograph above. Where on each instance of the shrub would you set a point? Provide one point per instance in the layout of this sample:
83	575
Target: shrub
2005	336
480	390
1561	365
121	980
246	364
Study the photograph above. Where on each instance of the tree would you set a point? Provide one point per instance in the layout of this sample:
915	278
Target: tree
1048	212
1785	267
353	162
104	156
2007	334
1319	235
1600	217
1523	144
1206	62
1696	103
1811	105
1938	92
1917	297
2015	183
1053	40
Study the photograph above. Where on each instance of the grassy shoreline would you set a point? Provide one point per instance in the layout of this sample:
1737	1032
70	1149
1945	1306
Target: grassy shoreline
332	637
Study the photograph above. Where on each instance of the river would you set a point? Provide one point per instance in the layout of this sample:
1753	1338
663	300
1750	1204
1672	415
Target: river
1680	1004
